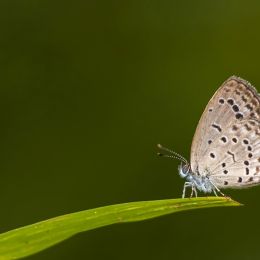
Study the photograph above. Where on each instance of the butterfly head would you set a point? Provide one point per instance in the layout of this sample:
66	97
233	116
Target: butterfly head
184	170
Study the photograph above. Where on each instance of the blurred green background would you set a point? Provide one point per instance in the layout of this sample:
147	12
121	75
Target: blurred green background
87	90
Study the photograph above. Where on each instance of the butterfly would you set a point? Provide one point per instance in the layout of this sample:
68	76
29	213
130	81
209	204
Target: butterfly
225	151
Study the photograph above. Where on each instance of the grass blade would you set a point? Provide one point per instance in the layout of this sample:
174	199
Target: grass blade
33	238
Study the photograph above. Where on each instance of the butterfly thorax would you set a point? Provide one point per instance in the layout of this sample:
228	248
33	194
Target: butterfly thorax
200	181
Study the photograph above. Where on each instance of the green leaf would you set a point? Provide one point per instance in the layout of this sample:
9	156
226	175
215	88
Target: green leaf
34	238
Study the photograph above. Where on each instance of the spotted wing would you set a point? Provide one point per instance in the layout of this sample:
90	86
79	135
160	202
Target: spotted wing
226	144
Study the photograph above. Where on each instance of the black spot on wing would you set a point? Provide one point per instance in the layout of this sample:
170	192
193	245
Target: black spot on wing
221	101
217	127
235	108
212	155
223	139
230	101
234	140
239	116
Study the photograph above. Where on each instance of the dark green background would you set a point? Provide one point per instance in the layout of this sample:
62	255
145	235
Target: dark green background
87	90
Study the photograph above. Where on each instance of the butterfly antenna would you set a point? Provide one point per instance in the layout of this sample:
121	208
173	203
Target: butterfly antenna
172	152
169	156
175	155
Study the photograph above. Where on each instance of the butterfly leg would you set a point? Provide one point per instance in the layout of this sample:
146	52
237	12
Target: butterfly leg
193	191
216	189
186	184
219	191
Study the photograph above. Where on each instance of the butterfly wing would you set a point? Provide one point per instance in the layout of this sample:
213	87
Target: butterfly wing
226	144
